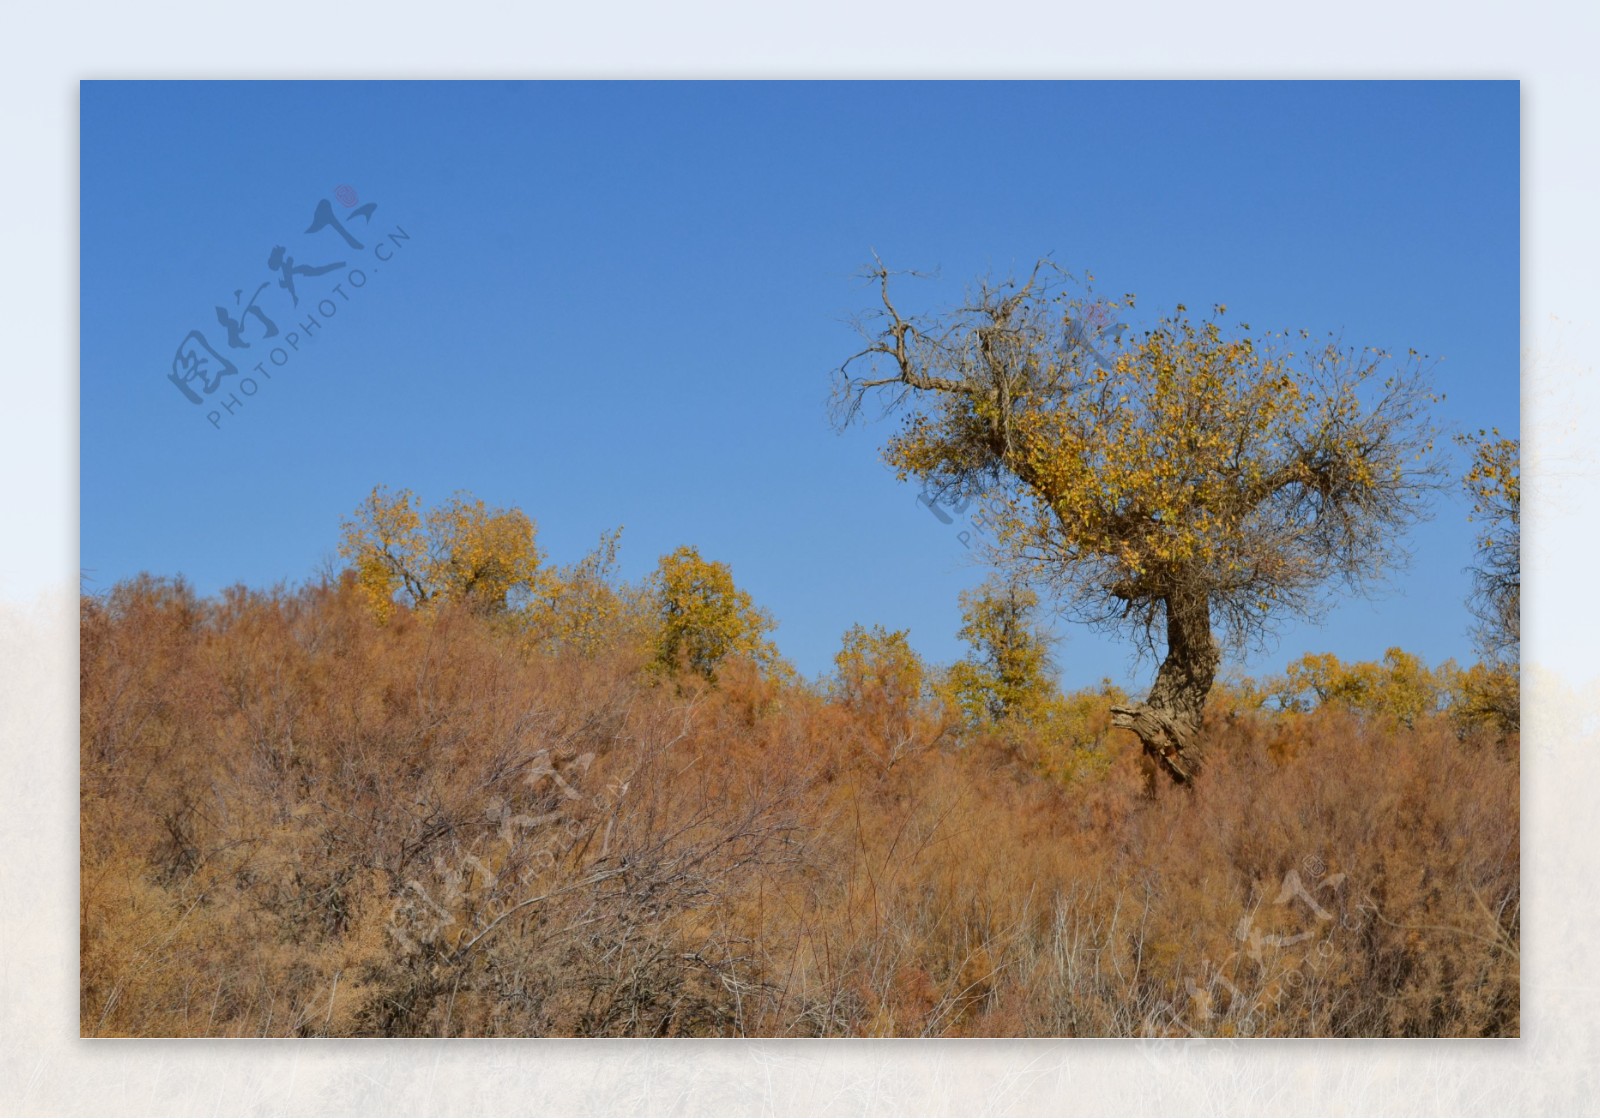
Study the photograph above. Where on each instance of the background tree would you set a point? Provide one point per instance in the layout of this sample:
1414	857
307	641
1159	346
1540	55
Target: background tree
1010	675
461	551
878	667
882	681
703	618
580	608
1491	691
1188	483
1494	482
1402	687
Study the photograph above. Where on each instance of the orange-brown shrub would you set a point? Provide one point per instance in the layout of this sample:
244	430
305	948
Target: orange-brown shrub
296	821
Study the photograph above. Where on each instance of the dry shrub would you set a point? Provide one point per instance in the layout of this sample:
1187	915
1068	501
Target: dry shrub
296	821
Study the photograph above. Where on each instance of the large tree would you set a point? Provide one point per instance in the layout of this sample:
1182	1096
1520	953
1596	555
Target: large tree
1187	484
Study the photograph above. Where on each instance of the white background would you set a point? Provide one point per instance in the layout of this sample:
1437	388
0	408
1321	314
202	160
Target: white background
46	1069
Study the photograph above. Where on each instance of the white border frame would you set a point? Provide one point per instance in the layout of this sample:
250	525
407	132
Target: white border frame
46	1069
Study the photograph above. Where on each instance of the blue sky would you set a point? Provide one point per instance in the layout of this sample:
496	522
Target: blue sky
619	304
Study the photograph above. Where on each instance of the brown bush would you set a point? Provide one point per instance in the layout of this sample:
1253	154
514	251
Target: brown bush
296	821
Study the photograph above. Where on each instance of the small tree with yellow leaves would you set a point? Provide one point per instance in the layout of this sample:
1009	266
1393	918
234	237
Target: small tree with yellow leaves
461	552
1009	677
1182	483
702	617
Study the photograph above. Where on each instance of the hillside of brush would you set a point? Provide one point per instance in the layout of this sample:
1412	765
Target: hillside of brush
302	819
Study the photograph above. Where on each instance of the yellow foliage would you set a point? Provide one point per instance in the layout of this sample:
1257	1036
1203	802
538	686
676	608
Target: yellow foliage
1494	482
1495	478
1402	687
577	608
1401	691
1488	695
884	684
1171	461
458	552
1073	745
1009	677
702	617
878	668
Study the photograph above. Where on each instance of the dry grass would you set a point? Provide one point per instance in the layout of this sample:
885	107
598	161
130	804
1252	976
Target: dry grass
296	822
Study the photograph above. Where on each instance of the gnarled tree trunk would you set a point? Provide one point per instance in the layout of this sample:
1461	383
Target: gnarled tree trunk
1168	721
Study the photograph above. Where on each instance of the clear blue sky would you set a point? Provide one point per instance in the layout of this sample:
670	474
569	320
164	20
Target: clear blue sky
620	304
